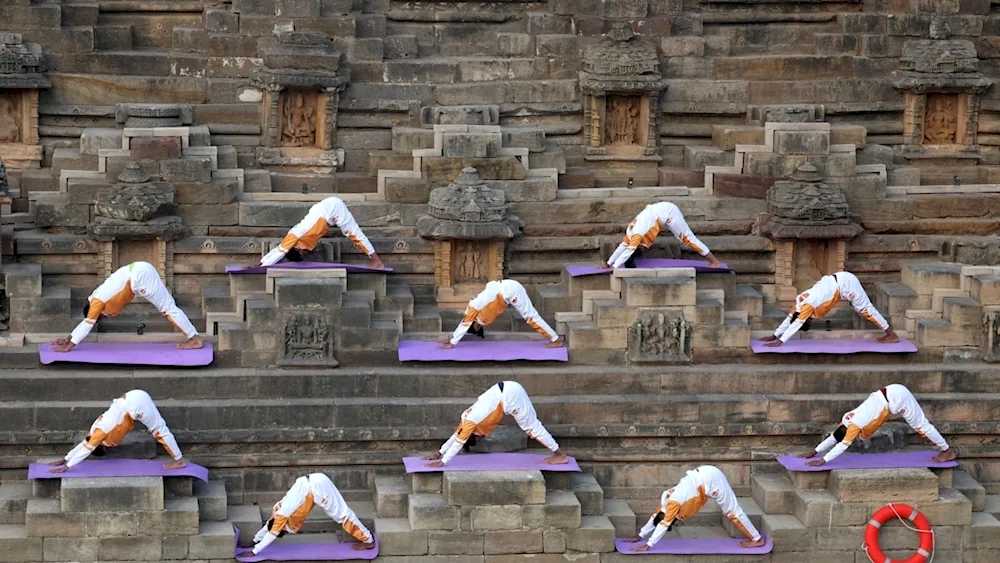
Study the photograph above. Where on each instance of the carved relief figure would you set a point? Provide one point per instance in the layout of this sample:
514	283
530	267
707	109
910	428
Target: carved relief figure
307	338
622	120
941	123
298	122
10	120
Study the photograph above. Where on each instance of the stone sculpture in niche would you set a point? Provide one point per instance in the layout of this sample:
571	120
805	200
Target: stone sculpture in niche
660	335
941	122
307	340
623	120
299	120
10	120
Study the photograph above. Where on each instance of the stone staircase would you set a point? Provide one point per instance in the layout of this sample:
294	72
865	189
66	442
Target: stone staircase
115	519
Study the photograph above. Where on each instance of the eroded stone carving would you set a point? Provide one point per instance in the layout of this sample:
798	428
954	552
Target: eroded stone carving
298	120
21	64
468	210
660	335
991	318
623	120
136	209
307	340
941	121
806	208
10	119
4	186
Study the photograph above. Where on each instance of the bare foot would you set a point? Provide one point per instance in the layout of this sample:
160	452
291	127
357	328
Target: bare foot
887	339
557	458
363	546
436	464
752	543
807	455
947	455
432	457
445	346
246	554
816	463
62	469
375	264
773	343
176	464
640	548
556	344
193	343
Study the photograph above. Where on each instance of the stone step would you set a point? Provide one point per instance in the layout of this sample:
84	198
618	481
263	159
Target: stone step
112	495
397	298
773	492
939	332
248	519
212	500
111	37
14	497
753	511
589	492
477	488
925	277
16	545
391	496
889	485
965	484
962	311
622	517
596	534
985	289
217	299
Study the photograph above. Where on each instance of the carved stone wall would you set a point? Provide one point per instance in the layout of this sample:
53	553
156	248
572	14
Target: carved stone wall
301	123
944	119
991	318
306	339
660	335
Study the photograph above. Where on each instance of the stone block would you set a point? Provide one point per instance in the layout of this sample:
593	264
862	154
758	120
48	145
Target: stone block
470	145
220	191
367	49
298	8
889	485
553	541
104	524
561	510
112	495
188	169
400	47
788	533
175	547
971	488
206	214
925	277
802	142
391	493
247	519
432	512
682	46
596	534
69	549
17	547
455	543
155	148
132	548
659	292
531	138
514	44
426	482
624	9
45	518
773	492
983	534
530	189
212	500
496	517
820	509
772	164
985	289
254	7
504	542
435	169
213	541
298	293
396	538
94	139
22	281
590	494
222	21
178	517
188	39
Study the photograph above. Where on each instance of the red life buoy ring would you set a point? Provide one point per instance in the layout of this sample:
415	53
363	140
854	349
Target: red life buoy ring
899	511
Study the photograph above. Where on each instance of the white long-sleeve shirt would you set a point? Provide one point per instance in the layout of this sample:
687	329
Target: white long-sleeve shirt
507	397
690	495
493	301
643	230
289	513
870	415
112	296
111	427
307	234
821	298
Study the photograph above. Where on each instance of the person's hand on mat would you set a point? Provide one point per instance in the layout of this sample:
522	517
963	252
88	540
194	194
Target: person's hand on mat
57	462
947	455
807	455
773	343
890	337
432	457
558	458
63	347
771	338
62	469
816	463
642	547
751	543
175	464
363	546
246	554
60	341
193	343
445	346
713	262
436	464
557	344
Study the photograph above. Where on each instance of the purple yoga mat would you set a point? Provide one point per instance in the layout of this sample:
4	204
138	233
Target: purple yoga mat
119	468
580	270
700	546
894	460
491	462
310	552
481	351
355	268
834	346
131	353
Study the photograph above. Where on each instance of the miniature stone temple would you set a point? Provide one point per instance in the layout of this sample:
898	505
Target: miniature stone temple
622	85
301	83
22	74
810	223
943	91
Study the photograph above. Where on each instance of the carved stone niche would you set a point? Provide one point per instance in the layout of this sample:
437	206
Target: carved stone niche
306	339
660	335
622	86
992	322
810	223
301	83
469	224
22	68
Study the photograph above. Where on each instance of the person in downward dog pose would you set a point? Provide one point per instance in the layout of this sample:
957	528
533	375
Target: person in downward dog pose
891	400
820	299
111	297
687	498
642	231
111	427
491	303
289	513
304	237
479	420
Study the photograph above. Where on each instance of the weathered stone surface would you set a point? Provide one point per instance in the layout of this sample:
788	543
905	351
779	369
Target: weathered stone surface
496	517
467	488
396	538
503	542
213	541
455	543
595	534
134	548
188	169
105	495
432	512
890	485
